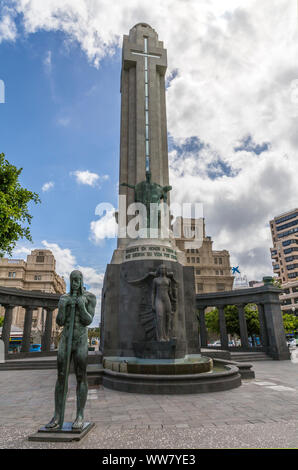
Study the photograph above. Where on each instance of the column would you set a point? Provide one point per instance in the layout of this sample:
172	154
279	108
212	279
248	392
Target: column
203	329
263	332
27	329
243	327
47	336
7	327
223	328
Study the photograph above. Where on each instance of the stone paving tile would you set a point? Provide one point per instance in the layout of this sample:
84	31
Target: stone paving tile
254	404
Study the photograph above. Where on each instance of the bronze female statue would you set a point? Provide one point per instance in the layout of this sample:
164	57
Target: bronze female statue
160	313
161	303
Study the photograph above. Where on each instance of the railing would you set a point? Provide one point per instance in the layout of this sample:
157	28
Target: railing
266	298
29	300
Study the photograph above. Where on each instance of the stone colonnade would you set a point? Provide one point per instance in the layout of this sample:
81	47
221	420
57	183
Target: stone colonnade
272	334
29	300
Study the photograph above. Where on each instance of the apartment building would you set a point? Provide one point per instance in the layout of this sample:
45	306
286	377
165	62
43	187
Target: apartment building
284	254
38	272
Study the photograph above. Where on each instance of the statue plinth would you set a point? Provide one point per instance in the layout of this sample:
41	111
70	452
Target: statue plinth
66	434
160	349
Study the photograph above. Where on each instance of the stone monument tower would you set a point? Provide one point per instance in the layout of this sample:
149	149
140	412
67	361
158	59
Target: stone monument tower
148	297
143	143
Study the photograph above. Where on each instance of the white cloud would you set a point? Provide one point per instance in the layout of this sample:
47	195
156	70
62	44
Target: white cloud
8	30
237	77
47	62
20	250
47	186
65	260
88	178
63	121
105	226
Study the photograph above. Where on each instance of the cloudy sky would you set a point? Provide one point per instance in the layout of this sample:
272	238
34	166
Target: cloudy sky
232	105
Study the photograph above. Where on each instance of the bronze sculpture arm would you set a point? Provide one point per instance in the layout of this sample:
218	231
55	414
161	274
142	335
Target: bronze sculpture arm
165	190
128	185
87	312
61	317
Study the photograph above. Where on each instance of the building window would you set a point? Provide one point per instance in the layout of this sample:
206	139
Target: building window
188	260
39	259
216	272
193	260
198	259
12	274
220	287
221	272
286	302
198	271
215	260
37	277
200	287
220	260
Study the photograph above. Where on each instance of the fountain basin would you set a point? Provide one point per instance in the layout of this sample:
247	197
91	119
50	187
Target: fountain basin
118	375
190	364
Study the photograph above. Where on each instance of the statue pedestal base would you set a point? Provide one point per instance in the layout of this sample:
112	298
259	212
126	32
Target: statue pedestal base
160	349
66	434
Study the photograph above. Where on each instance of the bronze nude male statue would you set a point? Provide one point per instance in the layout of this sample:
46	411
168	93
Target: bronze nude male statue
75	312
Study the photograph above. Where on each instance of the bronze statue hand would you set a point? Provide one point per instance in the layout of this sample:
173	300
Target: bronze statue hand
81	301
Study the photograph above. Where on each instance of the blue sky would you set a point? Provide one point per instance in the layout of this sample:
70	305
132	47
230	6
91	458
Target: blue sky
232	112
62	115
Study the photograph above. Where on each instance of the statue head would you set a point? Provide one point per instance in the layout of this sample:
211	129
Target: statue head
148	176
161	270
76	282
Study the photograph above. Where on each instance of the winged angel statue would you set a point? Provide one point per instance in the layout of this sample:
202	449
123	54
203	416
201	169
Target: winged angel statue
159	303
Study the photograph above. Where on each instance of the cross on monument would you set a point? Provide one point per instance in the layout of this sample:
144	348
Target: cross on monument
144	140
146	55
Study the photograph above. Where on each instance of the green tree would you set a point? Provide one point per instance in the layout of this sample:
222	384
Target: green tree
212	321
290	322
93	333
276	283
14	199
232	320
1	321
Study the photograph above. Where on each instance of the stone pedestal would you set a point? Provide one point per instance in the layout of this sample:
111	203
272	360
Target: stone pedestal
160	349
127	326
66	434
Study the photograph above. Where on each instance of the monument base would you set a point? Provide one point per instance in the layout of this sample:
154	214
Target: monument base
160	349
227	379
66	434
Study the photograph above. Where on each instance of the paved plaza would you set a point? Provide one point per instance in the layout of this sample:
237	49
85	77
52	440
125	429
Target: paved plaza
262	413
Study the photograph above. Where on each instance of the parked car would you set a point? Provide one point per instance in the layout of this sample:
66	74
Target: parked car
216	343
35	348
